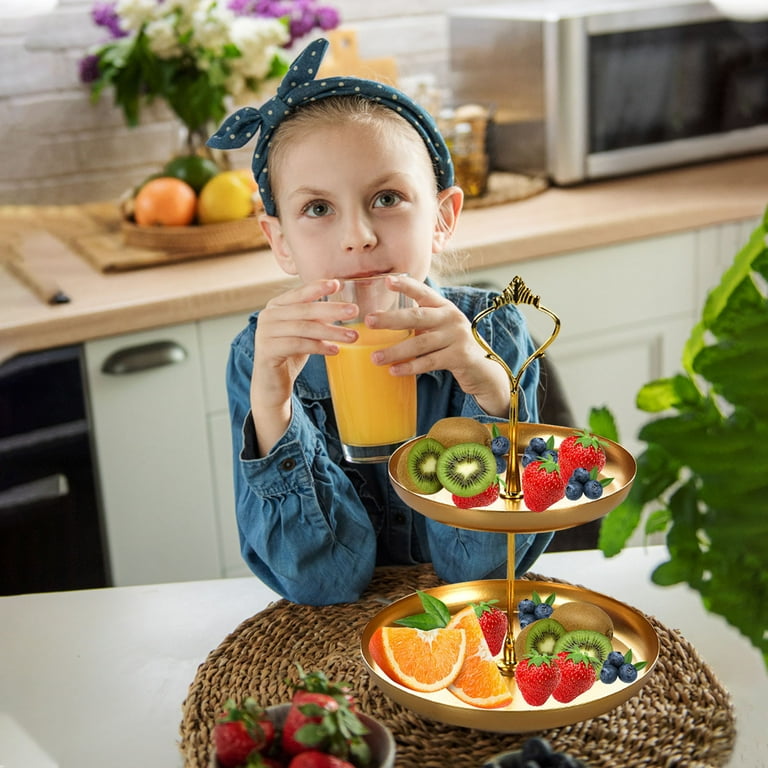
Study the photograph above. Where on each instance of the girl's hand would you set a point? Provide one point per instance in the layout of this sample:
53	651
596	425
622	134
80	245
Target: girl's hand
291	327
443	341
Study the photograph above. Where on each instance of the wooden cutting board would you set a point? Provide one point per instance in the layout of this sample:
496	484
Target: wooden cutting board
343	58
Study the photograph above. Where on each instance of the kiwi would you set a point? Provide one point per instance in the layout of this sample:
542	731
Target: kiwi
421	466
582	615
540	636
586	641
453	430
466	469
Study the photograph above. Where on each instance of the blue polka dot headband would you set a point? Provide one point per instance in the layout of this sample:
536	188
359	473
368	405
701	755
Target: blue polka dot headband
299	87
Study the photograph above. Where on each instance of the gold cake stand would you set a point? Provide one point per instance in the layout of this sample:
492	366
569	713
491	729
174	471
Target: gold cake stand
510	515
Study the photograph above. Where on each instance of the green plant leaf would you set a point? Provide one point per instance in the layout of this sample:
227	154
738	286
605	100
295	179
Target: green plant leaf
602	422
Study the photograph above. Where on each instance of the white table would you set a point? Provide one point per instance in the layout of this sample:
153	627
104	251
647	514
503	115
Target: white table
97	677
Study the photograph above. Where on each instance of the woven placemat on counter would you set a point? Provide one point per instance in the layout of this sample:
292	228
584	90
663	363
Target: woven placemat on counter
682	717
506	187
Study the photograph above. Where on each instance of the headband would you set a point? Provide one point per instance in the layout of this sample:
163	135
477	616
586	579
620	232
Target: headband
299	87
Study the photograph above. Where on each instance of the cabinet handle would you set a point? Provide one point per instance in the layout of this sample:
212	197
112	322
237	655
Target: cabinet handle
144	357
16	498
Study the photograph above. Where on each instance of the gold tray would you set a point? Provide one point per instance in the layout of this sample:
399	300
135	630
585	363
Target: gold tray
631	630
512	516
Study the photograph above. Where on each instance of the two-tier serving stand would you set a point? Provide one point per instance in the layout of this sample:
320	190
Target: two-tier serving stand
509	515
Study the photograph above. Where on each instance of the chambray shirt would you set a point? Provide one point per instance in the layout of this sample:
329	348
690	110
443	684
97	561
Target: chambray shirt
313	527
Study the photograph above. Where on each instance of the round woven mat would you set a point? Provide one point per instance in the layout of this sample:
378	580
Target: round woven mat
682	717
506	187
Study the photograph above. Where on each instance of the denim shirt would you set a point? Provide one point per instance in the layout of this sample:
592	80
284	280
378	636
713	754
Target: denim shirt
313	526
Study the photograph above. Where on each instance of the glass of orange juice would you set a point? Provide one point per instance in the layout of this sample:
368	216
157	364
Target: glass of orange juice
375	411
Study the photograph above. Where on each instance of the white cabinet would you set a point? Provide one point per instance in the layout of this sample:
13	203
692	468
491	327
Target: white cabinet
156	401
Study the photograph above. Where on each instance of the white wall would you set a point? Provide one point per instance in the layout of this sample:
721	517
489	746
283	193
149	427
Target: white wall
55	147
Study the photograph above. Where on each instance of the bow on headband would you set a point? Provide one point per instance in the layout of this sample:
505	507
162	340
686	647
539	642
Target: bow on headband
299	86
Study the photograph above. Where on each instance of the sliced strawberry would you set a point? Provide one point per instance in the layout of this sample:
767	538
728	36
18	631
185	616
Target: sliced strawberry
488	496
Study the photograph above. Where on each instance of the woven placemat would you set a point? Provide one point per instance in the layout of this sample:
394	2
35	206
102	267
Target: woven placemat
506	187
682	717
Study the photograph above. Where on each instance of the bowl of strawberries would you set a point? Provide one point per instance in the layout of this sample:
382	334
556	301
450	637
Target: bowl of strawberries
320	727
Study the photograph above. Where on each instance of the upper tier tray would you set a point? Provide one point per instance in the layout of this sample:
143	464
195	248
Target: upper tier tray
512	516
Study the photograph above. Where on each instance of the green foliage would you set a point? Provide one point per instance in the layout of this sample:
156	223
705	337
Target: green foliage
703	476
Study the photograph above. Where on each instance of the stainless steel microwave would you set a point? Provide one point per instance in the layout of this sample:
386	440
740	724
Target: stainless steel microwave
596	88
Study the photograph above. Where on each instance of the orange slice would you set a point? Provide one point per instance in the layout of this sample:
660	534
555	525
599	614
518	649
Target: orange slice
480	682
421	660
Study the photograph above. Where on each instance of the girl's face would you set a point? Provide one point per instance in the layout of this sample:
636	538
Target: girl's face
356	201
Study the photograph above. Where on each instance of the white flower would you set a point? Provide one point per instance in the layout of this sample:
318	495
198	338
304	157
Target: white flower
212	26
134	13
163	38
257	40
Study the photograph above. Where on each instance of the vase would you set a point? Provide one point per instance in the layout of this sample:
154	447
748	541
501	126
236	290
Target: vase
193	142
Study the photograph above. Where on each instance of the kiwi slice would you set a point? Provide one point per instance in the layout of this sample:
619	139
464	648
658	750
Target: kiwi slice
542	636
466	469
422	465
586	641
579	614
453	430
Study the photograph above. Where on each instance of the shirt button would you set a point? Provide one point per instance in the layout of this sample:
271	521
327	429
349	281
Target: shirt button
287	464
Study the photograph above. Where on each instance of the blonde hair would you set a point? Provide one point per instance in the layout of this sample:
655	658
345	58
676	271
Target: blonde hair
331	112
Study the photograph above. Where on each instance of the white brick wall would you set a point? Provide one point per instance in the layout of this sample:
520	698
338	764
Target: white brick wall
56	147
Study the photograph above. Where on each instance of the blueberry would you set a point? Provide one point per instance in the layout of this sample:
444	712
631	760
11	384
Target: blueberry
527	606
574	490
593	489
543	611
615	659
536	748
550	453
580	475
501	464
627	673
609	673
537	445
500	445
526	619
527	458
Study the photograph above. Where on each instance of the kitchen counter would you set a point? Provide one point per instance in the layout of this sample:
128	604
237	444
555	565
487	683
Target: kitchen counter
98	677
556	221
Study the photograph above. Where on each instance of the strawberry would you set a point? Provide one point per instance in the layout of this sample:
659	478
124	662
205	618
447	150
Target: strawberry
580	450
493	622
316	759
537	676
322	722
488	496
542	483
577	675
239	731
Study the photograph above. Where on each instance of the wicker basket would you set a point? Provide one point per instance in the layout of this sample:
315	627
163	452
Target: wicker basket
225	237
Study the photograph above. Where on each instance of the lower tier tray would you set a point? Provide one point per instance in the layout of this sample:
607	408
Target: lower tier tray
631	631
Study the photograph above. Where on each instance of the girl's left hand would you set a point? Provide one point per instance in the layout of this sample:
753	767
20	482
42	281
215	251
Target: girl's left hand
443	340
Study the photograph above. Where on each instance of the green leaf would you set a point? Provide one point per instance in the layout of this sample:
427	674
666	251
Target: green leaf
436	614
601	422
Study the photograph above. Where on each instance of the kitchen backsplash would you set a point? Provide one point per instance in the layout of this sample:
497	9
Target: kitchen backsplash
56	147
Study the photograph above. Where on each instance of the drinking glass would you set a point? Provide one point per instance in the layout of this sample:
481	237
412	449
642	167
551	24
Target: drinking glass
375	411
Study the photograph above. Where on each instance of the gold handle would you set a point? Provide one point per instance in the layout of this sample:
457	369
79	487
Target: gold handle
517	292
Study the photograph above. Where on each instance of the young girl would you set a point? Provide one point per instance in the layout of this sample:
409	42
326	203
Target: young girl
355	180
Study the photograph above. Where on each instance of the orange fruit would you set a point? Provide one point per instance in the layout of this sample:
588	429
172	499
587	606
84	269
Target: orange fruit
422	660
165	201
480	682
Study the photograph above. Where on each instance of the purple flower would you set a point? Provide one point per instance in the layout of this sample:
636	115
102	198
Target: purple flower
89	68
105	15
303	15
327	17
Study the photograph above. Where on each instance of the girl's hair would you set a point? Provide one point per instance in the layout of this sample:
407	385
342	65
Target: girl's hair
332	111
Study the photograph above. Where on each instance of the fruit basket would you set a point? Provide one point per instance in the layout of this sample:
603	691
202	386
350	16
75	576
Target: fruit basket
509	514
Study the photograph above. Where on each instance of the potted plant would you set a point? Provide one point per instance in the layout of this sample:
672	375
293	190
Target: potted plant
703	476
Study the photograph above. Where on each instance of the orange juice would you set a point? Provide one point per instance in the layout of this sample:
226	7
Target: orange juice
372	406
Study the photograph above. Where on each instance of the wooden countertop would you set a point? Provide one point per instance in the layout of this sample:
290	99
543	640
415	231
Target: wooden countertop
556	221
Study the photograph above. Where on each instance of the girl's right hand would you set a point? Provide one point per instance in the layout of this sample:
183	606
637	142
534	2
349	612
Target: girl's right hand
291	327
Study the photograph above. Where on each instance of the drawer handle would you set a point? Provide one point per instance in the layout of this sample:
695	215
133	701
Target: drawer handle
144	357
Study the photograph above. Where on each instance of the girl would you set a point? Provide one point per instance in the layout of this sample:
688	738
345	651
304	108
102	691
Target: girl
355	180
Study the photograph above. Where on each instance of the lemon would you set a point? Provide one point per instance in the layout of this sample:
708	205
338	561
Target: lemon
193	169
226	197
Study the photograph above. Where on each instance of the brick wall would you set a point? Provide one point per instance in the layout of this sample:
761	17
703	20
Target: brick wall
56	147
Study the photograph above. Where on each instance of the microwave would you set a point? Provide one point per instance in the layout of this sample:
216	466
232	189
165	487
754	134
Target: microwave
600	88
